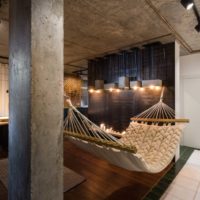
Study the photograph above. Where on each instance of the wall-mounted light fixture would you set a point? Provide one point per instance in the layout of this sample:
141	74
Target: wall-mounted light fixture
152	84
124	82
98	91
91	90
118	90
110	86
188	4
141	89
99	84
135	84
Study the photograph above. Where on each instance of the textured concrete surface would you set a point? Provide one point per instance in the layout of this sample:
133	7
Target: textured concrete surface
95	27
36	100
183	21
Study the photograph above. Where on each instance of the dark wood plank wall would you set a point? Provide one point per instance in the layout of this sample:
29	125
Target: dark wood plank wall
155	61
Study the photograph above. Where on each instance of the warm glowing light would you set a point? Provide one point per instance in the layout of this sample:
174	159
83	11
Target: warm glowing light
141	89
102	126
189	6
111	89
124	132
152	87
135	87
98	91
118	90
157	87
91	90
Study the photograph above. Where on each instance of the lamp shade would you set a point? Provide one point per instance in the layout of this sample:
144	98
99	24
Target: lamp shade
99	84
109	86
149	83
135	84
124	82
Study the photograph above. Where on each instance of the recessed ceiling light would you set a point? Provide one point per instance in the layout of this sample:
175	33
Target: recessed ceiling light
188	4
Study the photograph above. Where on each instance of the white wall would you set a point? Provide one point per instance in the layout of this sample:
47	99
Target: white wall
177	89
190	98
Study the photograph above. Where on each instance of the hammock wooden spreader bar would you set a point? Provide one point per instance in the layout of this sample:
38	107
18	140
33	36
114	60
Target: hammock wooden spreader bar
160	112
105	143
160	120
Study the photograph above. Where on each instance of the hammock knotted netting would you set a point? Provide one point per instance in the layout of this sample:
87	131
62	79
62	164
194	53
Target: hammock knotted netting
148	145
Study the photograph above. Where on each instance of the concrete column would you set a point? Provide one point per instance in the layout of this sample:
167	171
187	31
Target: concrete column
177	89
36	100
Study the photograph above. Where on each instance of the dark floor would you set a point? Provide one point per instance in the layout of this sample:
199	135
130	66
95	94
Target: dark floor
104	181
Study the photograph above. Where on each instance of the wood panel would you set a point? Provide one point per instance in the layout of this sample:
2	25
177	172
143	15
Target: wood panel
155	61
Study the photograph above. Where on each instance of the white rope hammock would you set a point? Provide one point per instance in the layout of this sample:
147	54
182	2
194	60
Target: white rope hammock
148	148
160	112
78	126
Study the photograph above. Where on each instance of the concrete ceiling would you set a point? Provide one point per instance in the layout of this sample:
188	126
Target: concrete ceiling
96	27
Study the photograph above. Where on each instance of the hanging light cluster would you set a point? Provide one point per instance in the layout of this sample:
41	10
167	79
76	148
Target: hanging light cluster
125	84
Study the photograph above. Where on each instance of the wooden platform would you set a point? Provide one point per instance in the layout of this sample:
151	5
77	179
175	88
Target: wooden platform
104	181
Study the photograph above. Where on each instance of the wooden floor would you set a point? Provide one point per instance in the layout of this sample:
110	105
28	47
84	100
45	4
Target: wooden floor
104	181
